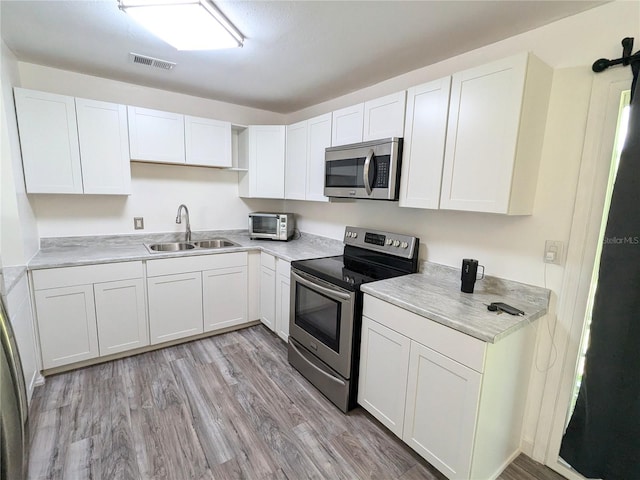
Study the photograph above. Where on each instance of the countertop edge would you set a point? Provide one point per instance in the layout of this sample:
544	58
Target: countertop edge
456	325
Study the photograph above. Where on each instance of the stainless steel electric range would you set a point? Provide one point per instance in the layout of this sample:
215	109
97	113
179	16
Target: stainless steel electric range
326	307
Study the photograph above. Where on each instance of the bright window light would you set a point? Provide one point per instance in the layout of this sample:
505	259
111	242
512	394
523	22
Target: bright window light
187	24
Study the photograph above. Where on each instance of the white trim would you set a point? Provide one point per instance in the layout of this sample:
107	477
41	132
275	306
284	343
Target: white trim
585	228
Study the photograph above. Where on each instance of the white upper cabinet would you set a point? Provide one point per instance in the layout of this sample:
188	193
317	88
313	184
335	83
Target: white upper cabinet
72	145
104	147
156	136
165	137
49	142
384	117
304	168
378	118
423	148
295	178
494	137
347	125
207	142
264	149
318	139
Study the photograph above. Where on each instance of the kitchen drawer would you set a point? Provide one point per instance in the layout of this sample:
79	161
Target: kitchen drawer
458	346
197	263
283	268
85	274
268	261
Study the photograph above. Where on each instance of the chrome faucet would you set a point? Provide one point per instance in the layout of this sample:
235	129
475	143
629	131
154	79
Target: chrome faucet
187	234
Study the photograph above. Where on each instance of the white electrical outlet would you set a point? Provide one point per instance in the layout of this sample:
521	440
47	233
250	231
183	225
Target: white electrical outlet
553	252
138	223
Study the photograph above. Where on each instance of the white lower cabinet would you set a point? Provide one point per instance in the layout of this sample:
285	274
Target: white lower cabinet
283	293
175	306
384	361
121	315
441	409
67	325
224	297
275	294
456	400
195	294
268	297
89	311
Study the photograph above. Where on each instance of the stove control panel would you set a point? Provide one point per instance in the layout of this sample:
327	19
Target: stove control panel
387	242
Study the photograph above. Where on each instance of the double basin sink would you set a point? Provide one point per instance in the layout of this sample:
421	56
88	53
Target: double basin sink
209	244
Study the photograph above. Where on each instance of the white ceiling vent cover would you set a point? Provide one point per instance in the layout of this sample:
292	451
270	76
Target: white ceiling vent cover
151	62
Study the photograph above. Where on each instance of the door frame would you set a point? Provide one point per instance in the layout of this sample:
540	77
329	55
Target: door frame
585	229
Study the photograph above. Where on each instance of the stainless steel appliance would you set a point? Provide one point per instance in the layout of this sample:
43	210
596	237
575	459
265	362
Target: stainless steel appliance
364	170
326	307
274	226
13	413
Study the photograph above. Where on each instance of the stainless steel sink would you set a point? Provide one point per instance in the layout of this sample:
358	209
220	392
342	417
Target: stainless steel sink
208	244
171	247
215	243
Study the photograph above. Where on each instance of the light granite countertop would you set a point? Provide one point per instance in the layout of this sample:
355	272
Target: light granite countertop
73	251
434	293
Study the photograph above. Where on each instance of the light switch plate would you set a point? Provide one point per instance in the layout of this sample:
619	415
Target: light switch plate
138	223
553	252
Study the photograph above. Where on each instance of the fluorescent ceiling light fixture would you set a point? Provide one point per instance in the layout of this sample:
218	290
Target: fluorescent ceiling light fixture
185	24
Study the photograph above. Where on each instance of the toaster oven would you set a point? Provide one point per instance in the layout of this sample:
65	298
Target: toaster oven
274	226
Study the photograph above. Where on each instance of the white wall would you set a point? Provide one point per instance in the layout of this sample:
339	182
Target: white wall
210	194
18	228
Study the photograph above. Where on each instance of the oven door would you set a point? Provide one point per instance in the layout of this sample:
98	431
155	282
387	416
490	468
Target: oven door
322	320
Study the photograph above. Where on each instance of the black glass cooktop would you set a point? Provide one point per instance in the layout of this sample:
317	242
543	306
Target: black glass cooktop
346	272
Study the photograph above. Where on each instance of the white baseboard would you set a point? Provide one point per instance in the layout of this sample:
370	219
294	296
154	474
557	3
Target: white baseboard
502	468
526	445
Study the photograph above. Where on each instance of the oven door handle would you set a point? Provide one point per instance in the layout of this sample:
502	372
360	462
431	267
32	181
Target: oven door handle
327	291
315	367
365	172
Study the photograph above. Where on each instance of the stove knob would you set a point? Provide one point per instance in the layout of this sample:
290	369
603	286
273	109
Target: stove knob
354	234
396	243
348	234
404	245
388	242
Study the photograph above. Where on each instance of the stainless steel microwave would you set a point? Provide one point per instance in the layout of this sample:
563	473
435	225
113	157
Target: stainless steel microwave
364	170
274	226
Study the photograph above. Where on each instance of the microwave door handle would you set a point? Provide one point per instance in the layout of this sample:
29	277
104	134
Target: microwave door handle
320	288
365	172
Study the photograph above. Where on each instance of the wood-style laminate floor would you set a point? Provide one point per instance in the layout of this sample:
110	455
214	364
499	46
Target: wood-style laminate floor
225	407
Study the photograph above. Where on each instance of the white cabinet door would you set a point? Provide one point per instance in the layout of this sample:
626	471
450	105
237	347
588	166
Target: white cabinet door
295	178
207	142
283	295
175	306
121	316
156	136
494	137
104	147
441	410
423	148
268	297
384	117
347	124
266	160
49	142
224	297
382	385
318	139
67	325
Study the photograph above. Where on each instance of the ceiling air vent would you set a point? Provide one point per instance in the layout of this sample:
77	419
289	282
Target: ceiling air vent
151	62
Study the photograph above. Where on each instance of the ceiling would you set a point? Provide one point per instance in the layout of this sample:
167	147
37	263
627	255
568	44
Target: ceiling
296	53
